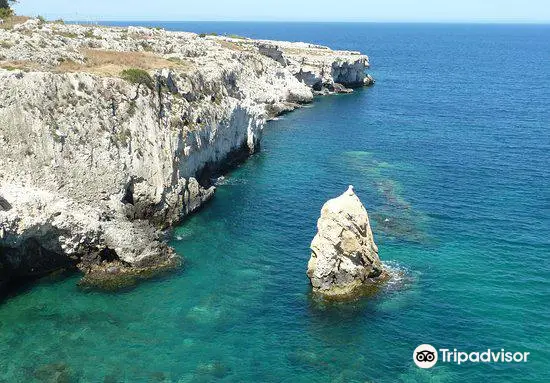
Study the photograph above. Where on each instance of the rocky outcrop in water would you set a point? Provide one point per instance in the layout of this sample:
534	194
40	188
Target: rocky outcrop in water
110	135
344	258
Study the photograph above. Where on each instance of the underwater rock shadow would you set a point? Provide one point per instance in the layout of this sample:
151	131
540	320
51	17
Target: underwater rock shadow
395	218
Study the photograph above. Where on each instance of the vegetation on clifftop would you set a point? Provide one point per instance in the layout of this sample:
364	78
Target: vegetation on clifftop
138	76
5	9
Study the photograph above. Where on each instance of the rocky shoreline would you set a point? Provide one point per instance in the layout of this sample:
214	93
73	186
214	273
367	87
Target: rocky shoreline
108	136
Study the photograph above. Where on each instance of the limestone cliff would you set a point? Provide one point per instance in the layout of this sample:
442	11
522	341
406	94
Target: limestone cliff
344	257
109	135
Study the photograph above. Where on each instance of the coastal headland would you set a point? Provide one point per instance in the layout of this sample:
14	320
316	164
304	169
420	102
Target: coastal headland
109	136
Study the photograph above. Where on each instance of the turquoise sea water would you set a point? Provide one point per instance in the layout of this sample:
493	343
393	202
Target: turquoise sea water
449	151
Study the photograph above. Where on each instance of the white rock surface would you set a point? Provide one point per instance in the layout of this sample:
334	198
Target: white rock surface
94	164
316	65
344	256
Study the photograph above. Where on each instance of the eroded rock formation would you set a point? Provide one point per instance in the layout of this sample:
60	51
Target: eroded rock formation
344	257
93	166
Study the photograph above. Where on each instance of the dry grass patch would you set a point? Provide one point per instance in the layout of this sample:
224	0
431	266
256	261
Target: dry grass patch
19	65
10	22
103	63
6	44
231	45
112	63
69	35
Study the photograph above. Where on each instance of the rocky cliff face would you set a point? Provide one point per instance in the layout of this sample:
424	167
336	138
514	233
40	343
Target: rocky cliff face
316	65
344	257
94	164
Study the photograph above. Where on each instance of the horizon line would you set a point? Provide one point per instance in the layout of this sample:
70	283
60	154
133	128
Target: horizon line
464	22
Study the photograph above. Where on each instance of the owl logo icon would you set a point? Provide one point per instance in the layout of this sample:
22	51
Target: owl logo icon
425	356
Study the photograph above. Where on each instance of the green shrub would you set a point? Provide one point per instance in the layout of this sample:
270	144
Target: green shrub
146	46
176	60
137	76
132	107
41	19
123	136
69	35
5	10
5	13
208	34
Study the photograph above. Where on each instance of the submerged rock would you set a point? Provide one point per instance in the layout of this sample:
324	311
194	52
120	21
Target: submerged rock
54	372
344	257
339	88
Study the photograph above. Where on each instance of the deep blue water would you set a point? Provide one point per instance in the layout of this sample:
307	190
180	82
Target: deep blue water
449	151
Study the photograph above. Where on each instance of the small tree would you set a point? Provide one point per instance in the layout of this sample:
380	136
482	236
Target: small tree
5	9
6	3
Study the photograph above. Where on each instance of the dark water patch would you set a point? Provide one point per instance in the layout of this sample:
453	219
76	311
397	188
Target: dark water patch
393	215
21	285
55	373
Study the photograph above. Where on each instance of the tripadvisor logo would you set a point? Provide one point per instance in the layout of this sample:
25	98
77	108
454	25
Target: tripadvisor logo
426	356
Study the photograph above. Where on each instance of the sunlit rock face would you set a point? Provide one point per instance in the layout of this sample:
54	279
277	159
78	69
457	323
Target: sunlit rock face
344	258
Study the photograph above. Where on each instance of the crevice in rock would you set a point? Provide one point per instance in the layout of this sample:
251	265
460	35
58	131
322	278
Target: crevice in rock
128	197
108	255
375	272
318	86
4	204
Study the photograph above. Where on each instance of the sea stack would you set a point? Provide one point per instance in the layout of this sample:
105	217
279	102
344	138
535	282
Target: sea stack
344	258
